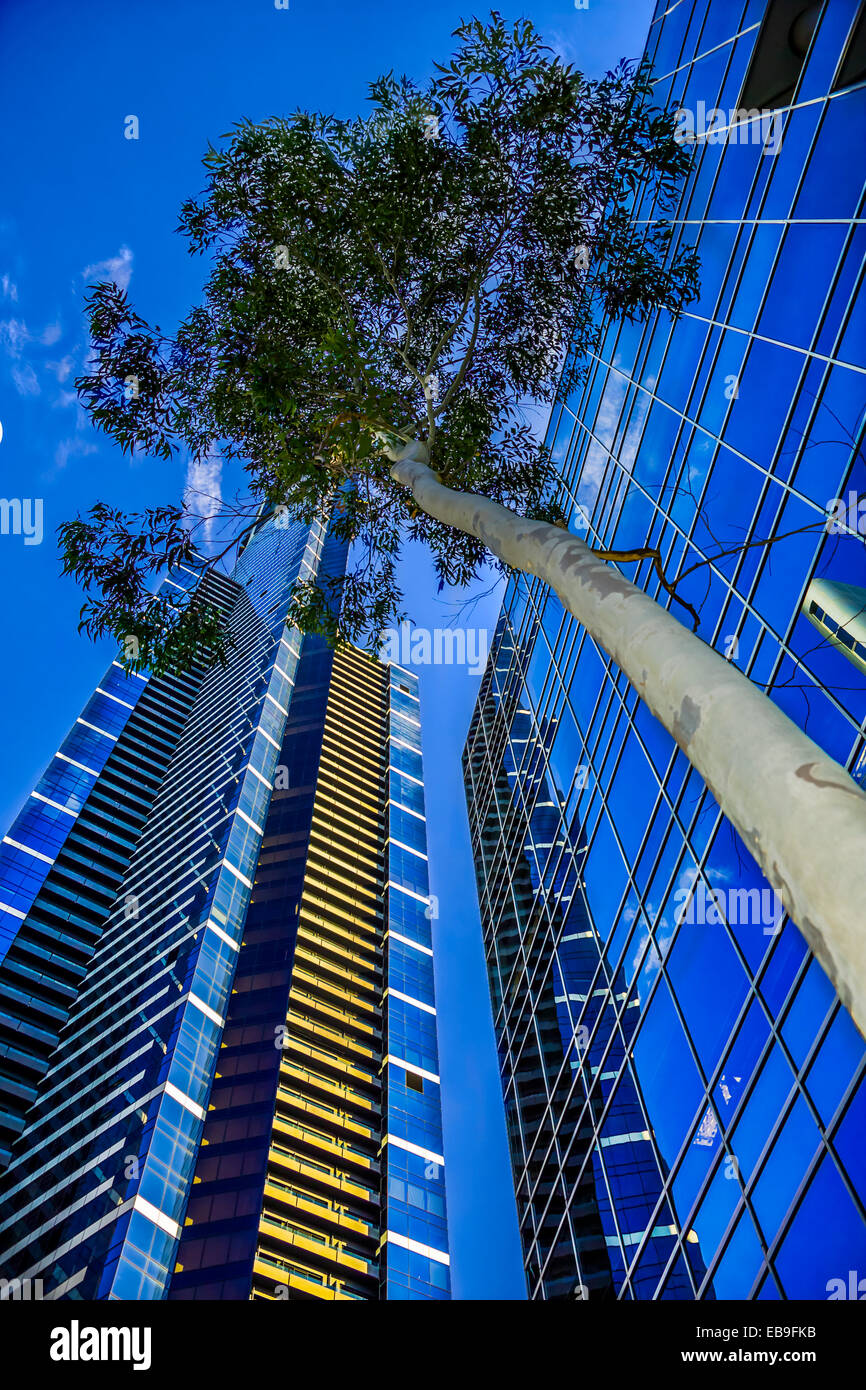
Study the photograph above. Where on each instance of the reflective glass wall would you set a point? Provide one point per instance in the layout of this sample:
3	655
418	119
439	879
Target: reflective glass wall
683	1089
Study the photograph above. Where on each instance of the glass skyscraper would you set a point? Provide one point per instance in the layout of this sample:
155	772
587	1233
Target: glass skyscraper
218	1055
684	1091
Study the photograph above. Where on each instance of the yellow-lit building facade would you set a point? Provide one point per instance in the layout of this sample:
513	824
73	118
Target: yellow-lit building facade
321	1172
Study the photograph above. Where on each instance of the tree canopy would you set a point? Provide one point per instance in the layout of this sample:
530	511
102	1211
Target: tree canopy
422	272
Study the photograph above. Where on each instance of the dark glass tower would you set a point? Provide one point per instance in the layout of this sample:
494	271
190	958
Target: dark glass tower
219	1068
684	1090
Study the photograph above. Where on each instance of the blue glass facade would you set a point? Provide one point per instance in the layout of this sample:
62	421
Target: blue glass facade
684	1092
157	943
65	855
415	1254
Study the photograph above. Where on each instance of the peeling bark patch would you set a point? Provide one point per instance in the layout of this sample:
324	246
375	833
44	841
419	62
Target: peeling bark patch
806	775
605	581
572	558
687	722
539	534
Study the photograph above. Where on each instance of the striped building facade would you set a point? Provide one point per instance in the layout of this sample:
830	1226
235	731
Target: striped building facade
218	1067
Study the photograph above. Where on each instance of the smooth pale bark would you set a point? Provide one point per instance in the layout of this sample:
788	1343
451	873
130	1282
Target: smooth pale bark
799	812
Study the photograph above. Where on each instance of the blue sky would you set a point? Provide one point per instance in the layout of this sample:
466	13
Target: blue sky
81	203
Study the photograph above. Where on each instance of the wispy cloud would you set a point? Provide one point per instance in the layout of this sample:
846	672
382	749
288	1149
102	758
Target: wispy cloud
72	447
13	336
203	493
117	268
601	454
62	368
26	383
8	289
565	50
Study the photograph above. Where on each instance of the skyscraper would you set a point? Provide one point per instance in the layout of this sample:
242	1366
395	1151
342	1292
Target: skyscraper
219	1061
684	1091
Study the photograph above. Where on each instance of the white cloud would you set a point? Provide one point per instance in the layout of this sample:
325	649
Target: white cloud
658	948
62	368
25	380
13	336
8	288
71	448
203	493
600	455
117	268
565	50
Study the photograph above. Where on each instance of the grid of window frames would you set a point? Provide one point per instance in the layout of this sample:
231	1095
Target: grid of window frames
414	1258
94	1195
244	1101
676	1066
64	856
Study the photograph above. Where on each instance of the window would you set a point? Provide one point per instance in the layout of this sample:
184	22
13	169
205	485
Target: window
414	1082
853	66
780	53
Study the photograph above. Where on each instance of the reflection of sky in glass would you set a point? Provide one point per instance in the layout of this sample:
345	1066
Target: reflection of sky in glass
740	1119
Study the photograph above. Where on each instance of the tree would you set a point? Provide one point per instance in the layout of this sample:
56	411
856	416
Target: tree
385	296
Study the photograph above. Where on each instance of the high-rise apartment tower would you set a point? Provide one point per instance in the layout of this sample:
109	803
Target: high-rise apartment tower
218	1054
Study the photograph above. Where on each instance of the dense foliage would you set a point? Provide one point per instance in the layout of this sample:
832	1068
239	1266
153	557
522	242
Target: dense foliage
422	272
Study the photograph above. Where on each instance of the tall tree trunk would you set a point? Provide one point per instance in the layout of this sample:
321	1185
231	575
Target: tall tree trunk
799	812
